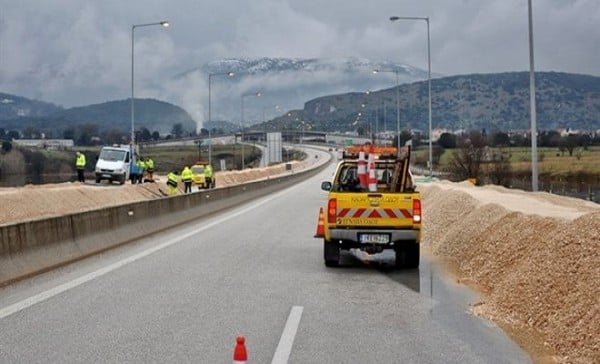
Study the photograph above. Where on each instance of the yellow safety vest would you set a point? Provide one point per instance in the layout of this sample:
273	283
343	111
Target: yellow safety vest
80	163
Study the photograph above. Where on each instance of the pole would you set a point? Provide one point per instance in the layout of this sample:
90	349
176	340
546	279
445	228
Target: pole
242	131
534	159
209	119
257	93
429	91
230	74
132	109
163	23
426	19
398	108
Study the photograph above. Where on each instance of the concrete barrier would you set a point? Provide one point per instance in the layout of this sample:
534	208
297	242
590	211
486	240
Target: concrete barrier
33	247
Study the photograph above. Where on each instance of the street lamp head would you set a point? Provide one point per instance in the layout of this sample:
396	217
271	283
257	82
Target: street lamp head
165	23
230	74
394	18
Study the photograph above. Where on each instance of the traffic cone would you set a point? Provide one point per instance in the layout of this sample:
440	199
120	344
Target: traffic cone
320	225
362	169
372	179
239	353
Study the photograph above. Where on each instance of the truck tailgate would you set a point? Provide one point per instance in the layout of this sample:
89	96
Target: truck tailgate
374	210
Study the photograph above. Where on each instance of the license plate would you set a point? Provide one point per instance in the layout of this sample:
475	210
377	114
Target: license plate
374	238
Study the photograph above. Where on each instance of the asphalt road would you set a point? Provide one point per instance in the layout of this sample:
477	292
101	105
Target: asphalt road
184	295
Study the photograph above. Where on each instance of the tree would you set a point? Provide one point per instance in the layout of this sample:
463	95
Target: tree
569	143
145	135
500	139
13	134
69	133
467	159
6	146
447	141
500	171
87	131
436	153
177	130
155	135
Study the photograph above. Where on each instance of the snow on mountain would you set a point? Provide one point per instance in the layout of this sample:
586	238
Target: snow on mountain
288	83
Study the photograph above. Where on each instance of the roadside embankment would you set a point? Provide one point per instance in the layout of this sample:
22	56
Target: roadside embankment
535	257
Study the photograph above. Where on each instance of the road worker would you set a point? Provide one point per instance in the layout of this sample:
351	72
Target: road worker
149	166
186	178
141	166
172	179
208	175
80	166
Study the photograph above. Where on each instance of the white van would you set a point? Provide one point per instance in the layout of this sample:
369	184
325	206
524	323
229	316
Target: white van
114	164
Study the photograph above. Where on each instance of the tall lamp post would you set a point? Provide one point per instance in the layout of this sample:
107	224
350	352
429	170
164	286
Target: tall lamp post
376	71
165	24
257	94
426	19
534	157
210	76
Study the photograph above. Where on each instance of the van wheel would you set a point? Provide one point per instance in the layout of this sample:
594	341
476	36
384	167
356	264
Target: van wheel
331	253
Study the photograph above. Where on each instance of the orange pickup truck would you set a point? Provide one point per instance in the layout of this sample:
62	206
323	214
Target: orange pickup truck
372	205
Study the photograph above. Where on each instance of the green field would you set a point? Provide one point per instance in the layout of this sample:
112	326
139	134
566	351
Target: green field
551	162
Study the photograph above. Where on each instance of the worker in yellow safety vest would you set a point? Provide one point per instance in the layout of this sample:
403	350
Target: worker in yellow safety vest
149	164
80	166
186	178
208	175
172	179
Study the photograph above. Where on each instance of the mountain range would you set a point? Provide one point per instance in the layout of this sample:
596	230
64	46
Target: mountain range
330	94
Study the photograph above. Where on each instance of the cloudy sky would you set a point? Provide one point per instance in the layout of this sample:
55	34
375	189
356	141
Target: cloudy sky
78	52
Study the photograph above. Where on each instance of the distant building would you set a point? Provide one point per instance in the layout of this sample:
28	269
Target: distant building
54	144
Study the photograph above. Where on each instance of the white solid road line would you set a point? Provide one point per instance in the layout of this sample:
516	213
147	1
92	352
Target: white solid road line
35	299
284	348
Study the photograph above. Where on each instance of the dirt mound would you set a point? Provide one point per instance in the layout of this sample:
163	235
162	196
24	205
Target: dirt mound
538	273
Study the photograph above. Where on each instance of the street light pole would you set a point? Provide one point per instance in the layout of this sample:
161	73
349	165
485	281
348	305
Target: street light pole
397	102
257	94
165	24
426	19
210	75
534	157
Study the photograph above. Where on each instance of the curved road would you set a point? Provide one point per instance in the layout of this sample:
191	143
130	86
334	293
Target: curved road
184	295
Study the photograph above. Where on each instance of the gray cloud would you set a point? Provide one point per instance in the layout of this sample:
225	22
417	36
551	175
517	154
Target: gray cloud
76	52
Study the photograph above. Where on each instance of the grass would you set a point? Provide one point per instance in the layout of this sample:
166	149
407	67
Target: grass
551	162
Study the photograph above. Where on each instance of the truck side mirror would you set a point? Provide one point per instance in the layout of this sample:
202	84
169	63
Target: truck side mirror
326	186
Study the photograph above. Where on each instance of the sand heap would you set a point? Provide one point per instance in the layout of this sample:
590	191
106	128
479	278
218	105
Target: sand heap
534	256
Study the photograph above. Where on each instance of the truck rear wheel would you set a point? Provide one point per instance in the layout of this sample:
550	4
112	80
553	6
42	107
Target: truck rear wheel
408	255
331	253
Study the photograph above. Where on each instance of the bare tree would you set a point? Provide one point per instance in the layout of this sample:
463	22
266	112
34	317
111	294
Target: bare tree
500	170
466	160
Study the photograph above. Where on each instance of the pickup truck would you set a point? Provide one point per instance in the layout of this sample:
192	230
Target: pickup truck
379	211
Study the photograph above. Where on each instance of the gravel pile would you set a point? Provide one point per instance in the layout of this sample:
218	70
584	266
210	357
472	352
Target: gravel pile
539	275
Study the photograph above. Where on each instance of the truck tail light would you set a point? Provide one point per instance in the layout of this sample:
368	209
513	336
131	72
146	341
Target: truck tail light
416	211
331	210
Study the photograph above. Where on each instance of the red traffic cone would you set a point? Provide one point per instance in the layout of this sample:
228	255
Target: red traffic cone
320	225
372	180
239	353
362	169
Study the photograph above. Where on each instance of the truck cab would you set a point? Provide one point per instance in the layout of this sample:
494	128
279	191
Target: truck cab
114	164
